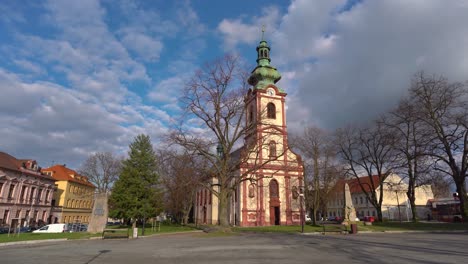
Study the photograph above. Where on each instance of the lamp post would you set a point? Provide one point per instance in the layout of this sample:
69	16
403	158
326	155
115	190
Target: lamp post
301	199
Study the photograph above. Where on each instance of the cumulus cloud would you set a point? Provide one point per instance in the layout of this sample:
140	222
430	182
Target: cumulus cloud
147	48
236	31
378	46
353	60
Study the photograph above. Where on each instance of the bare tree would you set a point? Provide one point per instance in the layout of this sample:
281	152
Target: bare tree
215	95
443	108
411	145
369	152
102	169
180	172
440	184
321	170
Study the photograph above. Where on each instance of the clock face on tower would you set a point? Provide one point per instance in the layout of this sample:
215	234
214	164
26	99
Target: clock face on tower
270	91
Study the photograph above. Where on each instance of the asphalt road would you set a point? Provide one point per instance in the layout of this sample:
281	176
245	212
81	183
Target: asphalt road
250	248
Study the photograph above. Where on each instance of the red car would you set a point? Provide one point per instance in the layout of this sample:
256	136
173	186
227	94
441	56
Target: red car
369	219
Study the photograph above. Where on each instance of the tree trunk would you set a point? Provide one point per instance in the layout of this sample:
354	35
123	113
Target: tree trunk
462	195
379	213
223	209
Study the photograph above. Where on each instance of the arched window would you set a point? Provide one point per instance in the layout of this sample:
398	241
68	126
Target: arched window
272	148
271	111
274	193
251	191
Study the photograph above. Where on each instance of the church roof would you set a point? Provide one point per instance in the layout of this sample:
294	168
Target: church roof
355	187
264	74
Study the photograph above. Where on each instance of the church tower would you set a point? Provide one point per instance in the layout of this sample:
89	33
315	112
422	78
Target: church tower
273	198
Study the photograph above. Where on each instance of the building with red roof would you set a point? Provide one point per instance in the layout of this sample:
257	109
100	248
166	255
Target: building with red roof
26	194
395	202
74	197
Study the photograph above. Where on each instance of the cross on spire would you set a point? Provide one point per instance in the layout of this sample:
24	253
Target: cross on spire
263	32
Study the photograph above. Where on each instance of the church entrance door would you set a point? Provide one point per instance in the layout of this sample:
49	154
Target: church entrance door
277	215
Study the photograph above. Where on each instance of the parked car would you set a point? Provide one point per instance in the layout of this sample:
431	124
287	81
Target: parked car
368	219
24	229
52	228
4	229
77	227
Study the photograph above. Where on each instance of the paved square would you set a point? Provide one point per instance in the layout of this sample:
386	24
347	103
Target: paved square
251	248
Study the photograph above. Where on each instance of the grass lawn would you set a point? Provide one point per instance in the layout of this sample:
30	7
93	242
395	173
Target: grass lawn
36	236
83	235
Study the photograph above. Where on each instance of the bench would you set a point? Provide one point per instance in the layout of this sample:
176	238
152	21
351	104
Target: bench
115	233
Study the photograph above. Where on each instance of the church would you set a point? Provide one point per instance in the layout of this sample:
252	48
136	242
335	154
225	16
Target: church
275	196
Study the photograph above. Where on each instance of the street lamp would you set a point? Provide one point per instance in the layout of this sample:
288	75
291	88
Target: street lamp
301	199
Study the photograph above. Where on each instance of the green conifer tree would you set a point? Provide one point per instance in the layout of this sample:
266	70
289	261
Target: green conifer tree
136	195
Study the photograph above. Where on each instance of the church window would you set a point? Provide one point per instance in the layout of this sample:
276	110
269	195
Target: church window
251	191
271	111
251	114
274	192
295	193
272	147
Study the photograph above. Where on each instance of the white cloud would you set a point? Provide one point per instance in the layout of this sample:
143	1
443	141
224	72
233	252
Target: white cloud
147	48
236	31
29	66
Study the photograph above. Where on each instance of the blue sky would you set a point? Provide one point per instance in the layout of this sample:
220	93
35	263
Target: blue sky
77	77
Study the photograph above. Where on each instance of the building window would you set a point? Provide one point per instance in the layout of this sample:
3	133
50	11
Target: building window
360	200
18	214
39	194
272	147
11	191
1	187
271	111
274	192
47	196
251	191
31	195
251	116
23	193
355	200
5	216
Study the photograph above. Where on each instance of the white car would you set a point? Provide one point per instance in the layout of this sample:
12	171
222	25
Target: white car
52	228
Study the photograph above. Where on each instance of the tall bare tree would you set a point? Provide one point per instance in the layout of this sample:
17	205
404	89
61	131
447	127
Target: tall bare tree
102	169
215	97
443	108
411	141
368	152
321	171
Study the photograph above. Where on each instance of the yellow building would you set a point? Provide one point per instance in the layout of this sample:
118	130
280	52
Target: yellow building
395	203
73	200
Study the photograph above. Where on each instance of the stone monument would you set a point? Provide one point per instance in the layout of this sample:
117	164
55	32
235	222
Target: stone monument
99	215
349	213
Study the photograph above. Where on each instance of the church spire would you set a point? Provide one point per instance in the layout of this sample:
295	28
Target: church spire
264	74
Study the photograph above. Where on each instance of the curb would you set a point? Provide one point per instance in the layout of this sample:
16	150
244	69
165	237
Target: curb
172	233
397	232
29	242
